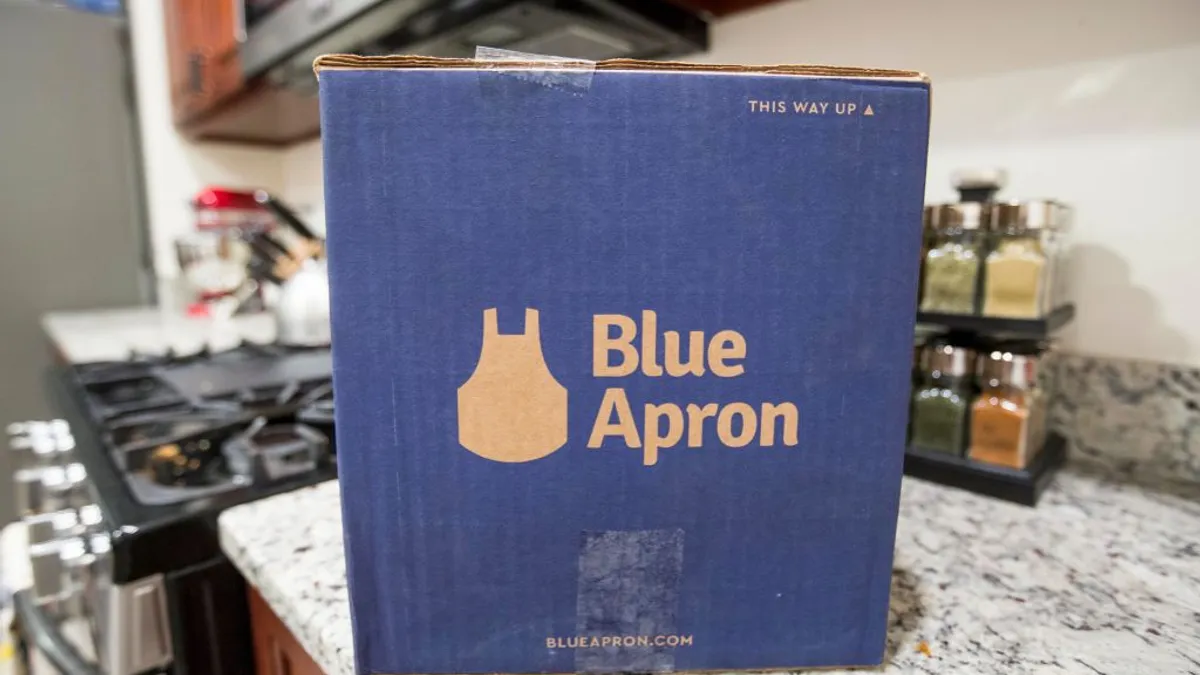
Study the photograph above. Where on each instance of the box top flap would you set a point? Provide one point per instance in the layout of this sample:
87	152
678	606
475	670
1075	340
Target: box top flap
410	61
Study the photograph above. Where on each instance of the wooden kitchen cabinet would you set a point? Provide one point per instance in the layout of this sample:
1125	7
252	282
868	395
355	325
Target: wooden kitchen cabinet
203	54
276	651
210	97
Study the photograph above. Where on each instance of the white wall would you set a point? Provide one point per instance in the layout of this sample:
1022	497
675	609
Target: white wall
1095	102
175	168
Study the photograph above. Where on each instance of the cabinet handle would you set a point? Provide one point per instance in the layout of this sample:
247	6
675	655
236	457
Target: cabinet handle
239	20
196	73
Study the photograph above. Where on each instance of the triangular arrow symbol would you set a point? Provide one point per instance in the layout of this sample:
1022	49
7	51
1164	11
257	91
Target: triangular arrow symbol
869	111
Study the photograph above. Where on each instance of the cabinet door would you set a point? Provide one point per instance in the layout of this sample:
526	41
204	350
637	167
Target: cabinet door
202	50
276	651
183	67
224	75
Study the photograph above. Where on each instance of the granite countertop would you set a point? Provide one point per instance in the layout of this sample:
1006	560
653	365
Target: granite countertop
1102	577
111	334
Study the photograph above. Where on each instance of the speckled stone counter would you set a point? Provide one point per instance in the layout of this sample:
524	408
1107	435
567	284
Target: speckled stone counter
1138	417
1102	577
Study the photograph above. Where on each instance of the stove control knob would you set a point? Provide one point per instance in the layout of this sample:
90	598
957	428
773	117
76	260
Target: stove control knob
78	484
54	488
100	544
39	528
76	474
91	517
64	486
46	563
74	554
28	490
78	571
54	526
26	428
77	560
64	448
60	428
43	450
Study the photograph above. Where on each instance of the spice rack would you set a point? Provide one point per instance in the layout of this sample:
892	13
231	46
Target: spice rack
1023	486
983	258
1031	329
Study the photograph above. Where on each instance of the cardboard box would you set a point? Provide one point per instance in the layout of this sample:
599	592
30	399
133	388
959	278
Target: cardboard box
621	359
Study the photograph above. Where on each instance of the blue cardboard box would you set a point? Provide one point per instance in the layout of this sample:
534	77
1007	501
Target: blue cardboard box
621	359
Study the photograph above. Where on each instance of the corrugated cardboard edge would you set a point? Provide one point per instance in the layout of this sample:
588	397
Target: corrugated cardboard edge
406	61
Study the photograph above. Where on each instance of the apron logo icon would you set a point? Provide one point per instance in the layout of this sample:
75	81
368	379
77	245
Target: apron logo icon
512	409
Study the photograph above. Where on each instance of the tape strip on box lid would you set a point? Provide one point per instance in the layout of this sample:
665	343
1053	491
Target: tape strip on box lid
552	72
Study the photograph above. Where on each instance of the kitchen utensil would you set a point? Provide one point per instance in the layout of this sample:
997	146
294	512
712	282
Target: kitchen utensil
302	310
311	243
210	267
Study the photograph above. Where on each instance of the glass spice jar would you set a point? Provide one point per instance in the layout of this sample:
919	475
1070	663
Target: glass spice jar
951	269
926	238
1020	279
1008	419
941	401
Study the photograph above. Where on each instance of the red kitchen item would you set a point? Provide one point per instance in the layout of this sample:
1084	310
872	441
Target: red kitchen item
222	209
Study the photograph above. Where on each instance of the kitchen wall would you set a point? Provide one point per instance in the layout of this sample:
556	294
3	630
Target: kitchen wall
1091	102
175	168
1095	103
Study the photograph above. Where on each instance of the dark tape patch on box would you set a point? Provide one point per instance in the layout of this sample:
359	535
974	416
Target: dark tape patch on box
628	601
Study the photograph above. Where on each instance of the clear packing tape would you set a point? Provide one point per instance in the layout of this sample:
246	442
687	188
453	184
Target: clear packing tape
552	72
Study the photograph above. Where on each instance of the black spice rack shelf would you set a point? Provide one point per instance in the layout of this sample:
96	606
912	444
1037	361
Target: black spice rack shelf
1022	486
988	325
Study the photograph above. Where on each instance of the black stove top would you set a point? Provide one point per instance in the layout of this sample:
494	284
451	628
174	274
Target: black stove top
170	442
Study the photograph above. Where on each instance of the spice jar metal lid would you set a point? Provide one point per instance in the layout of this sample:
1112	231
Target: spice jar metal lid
978	177
948	360
957	216
1038	214
1007	368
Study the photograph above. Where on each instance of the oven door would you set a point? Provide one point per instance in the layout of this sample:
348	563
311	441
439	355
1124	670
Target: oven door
46	639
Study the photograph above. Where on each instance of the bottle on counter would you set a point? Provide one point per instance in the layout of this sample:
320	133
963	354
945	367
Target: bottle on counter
941	401
1008	419
1020	268
926	237
952	264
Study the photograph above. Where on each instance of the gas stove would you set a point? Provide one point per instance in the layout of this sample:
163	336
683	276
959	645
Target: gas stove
121	495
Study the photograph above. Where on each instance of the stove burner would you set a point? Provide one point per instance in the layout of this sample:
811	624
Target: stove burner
316	408
137	393
162	428
179	428
194	464
274	452
270	401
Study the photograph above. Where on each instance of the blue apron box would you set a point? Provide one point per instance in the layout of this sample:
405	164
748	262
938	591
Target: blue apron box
621	359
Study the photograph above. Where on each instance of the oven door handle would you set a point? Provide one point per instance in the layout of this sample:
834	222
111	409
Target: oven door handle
35	626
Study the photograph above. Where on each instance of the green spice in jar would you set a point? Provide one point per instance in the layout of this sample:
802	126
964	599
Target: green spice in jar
942	400
951	268
950	273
